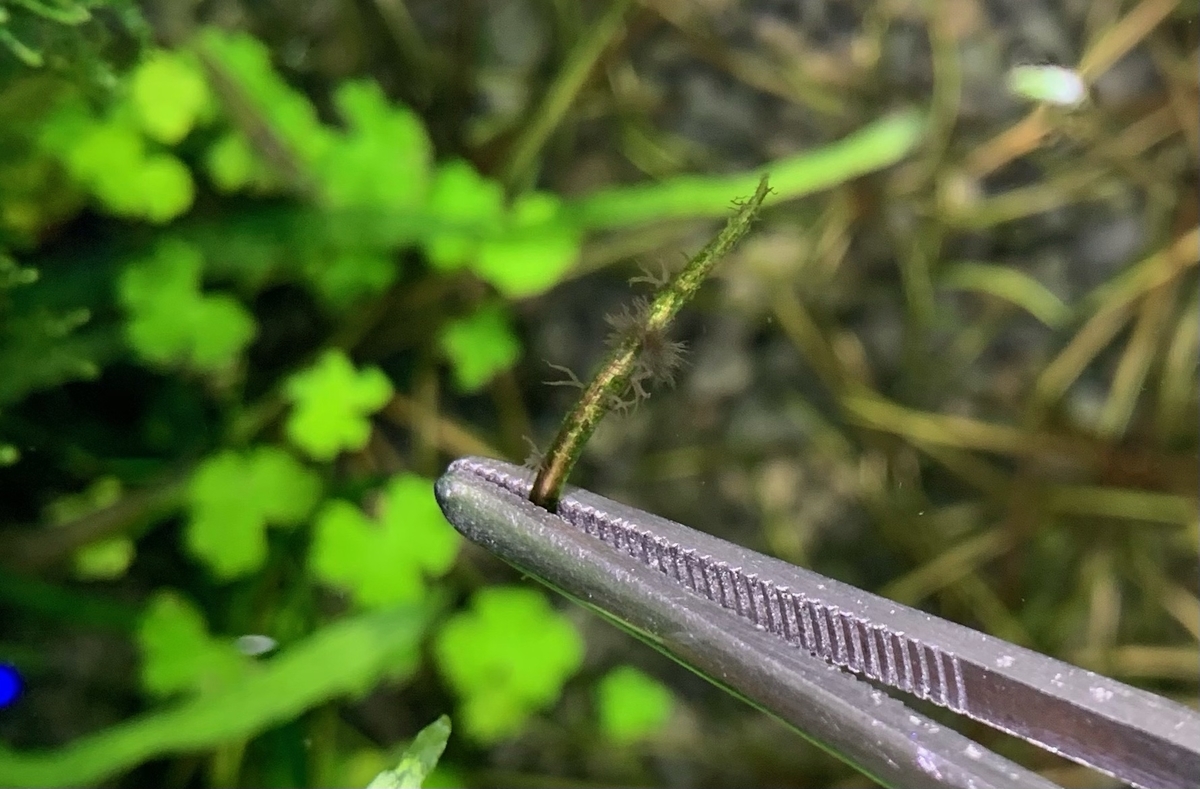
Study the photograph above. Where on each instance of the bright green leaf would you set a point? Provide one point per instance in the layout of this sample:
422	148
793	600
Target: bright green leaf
166	188
223	329
479	346
171	320
418	760
106	159
231	163
286	491
177	652
110	160
169	95
234	496
506	657
384	562
534	252
632	705
464	207
383	161
105	152
331	402
105	559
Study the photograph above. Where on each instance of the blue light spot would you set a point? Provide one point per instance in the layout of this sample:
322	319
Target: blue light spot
10	684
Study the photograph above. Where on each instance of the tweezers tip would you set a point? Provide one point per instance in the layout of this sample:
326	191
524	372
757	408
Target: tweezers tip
513	478
456	481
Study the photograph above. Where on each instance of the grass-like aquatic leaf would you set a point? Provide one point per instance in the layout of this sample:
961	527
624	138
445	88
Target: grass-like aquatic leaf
419	758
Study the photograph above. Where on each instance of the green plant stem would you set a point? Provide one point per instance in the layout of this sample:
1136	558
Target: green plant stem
248	119
610	384
43	548
412	47
875	146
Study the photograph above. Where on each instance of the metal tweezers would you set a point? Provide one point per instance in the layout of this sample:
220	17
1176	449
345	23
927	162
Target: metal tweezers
817	653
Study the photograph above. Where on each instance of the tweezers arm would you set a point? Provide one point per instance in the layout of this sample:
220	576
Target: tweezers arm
841	714
1131	734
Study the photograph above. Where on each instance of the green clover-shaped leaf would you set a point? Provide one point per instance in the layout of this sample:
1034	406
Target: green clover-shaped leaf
178	654
109	159
479	346
506	657
385	561
331	403
383	161
464	206
171	320
632	705
106	157
234	496
221	328
538	246
343	276
169	95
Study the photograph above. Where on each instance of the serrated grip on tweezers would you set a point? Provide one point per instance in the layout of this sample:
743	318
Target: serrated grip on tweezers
1127	733
847	717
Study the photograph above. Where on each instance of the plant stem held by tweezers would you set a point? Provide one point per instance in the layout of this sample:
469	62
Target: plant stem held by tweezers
629	364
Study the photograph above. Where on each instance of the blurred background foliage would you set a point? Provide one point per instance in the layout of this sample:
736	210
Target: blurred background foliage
266	267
